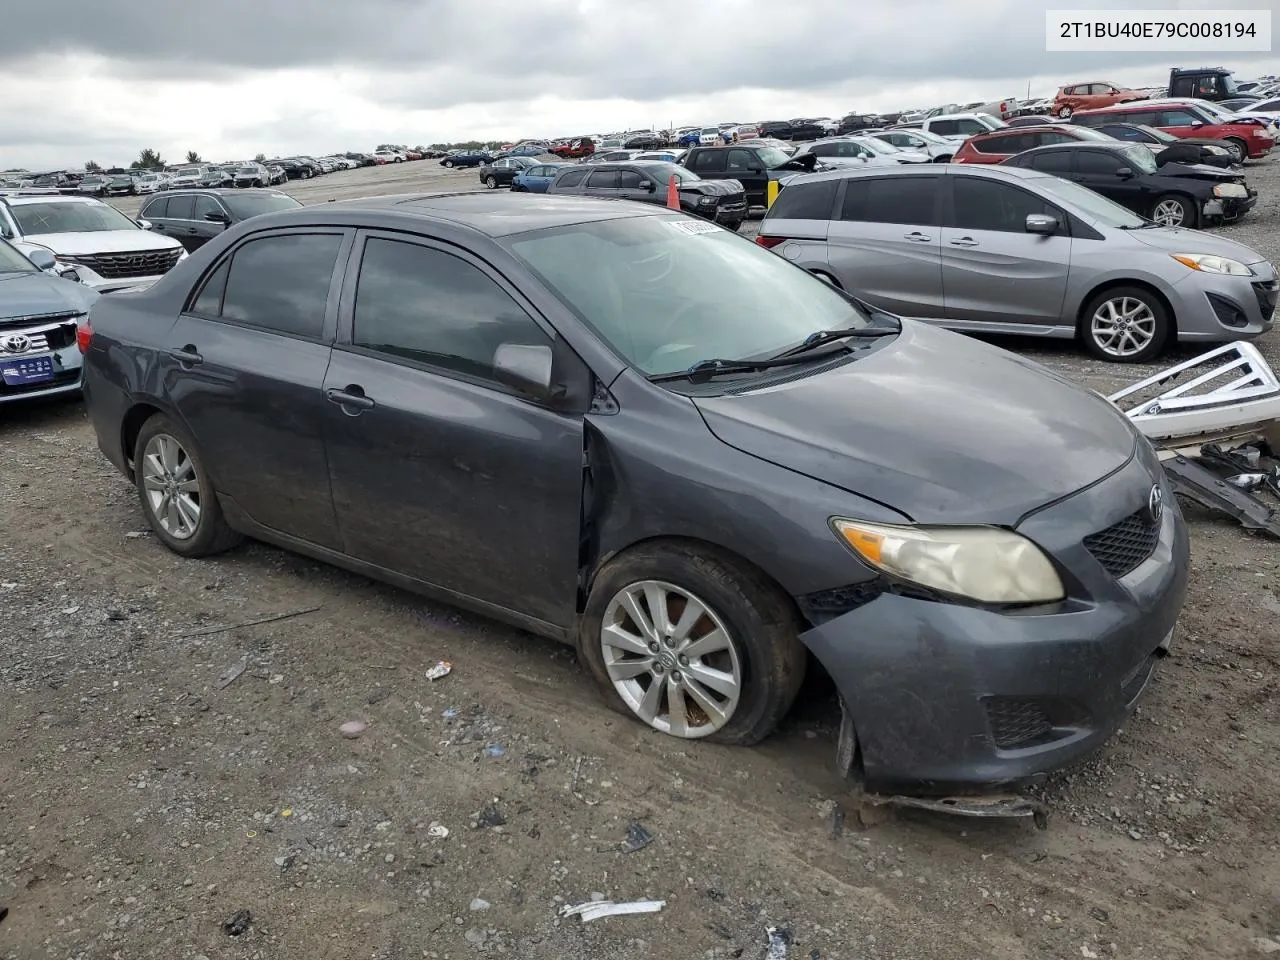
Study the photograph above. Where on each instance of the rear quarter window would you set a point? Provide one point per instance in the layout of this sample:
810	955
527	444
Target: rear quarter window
570	178
805	201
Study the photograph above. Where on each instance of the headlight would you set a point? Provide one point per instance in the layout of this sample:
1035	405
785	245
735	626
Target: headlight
986	564
1208	263
1230	190
707	201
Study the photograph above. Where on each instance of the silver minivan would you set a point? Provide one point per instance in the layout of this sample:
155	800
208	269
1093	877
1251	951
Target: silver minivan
1005	250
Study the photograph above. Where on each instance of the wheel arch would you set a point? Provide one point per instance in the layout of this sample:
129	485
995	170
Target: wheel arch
1116	282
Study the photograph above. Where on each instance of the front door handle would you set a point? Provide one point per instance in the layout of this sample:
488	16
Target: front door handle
916	237
188	356
964	242
350	398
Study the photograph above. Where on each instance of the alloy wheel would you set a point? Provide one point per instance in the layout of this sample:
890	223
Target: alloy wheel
1123	326
171	486
1169	213
671	659
1065	112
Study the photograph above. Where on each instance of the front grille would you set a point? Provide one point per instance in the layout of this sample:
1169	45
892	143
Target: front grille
139	263
40	339
1123	546
1267	293
1016	722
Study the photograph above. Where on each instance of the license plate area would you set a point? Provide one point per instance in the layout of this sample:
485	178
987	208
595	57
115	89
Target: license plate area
18	373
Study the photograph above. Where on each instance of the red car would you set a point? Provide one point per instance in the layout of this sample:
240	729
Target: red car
411	154
575	149
1250	137
999	145
1091	96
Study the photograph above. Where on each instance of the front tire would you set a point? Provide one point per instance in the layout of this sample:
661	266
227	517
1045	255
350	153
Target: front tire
491	182
176	493
1065	112
692	642
1125	325
1172	210
448	164
1239	149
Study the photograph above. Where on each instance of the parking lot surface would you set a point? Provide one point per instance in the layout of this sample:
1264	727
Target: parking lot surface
166	766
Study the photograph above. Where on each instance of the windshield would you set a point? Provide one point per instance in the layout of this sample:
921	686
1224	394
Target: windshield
1158	135
1090	205
1140	158
930	137
11	261
69	217
1229	85
245	205
1088	133
665	171
772	156
990	122
715	131
247	170
667	292
189	172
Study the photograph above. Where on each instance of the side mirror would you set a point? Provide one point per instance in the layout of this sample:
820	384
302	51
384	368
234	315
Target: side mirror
144	224
217	216
648	185
43	259
526	368
1041	223
1197	123
1124	173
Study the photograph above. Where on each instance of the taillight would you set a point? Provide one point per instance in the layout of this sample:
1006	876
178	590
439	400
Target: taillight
84	334
769	242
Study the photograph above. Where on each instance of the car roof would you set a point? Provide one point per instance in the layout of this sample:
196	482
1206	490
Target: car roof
218	192
56	197
929	169
496	214
1082	144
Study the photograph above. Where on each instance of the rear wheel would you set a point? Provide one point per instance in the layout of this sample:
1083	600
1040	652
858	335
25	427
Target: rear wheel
1125	325
693	643
176	493
1172	210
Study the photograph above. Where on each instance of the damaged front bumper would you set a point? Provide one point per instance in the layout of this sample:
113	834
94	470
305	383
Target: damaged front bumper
946	699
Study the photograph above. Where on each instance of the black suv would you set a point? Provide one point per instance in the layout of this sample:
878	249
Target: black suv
647	181
194	217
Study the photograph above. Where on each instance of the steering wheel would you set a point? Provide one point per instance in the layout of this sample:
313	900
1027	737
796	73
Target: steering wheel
664	336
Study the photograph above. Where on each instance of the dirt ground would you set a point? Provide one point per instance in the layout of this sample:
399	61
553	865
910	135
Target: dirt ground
144	803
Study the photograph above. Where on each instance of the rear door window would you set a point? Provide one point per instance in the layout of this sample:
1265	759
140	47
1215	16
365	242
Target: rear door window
571	178
603	180
181	207
155	210
905	200
709	161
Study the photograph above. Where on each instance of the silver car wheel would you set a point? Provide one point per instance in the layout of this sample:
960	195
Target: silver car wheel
171	486
672	660
1168	213
1123	326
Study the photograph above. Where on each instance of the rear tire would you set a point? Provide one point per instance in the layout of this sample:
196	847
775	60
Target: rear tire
168	469
748	627
1137	309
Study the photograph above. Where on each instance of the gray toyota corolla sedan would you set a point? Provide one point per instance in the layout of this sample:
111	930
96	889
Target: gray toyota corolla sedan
641	434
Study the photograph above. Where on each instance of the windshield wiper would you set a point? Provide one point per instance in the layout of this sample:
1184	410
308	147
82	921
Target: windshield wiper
705	370
821	338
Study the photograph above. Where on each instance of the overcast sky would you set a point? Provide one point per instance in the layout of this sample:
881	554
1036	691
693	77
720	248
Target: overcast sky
101	79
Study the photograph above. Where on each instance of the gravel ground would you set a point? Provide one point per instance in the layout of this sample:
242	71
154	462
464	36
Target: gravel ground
145	803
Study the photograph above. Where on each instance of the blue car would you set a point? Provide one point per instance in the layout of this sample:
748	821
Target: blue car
536	179
41	317
467	158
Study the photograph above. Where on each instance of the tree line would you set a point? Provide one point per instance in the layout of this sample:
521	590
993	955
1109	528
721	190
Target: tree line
150	159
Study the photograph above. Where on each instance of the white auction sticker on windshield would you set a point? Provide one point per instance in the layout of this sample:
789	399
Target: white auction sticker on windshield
692	227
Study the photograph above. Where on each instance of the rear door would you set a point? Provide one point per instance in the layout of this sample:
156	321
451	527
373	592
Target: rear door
179	221
245	367
993	270
603	183
441	473
886	245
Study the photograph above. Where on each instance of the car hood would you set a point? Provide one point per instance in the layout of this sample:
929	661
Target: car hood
1182	240
712	188
938	426
1199	171
37	294
98	242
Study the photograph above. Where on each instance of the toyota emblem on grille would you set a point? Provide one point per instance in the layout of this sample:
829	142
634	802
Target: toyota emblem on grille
1155	504
17	343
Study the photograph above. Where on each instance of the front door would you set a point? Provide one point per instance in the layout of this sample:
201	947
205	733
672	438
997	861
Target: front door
1099	171
886	246
245	367
439	472
204	228
993	270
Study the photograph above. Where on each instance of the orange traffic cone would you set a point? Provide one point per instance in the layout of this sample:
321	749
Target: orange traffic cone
673	193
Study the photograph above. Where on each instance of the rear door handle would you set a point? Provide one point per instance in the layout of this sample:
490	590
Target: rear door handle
188	356
964	242
351	396
916	237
